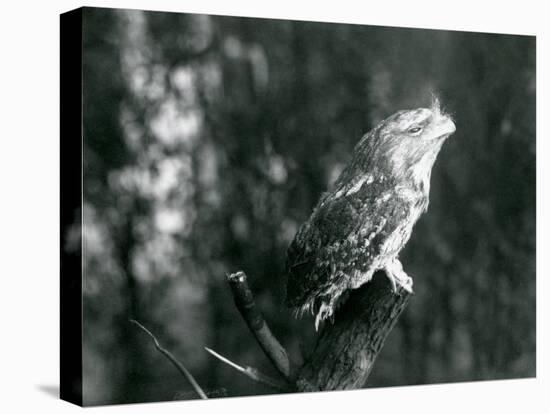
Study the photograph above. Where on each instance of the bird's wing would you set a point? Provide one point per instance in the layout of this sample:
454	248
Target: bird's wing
345	233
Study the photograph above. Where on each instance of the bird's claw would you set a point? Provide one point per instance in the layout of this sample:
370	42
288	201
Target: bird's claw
397	276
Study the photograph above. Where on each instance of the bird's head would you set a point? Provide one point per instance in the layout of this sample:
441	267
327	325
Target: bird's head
408	141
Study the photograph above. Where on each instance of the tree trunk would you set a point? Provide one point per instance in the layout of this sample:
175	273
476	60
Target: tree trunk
347	349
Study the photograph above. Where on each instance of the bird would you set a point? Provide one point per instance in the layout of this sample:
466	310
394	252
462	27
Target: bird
365	219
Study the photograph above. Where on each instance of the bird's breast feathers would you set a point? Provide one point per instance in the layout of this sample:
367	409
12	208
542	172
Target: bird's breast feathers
354	231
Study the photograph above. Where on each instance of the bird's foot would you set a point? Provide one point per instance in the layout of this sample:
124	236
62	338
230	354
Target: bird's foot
397	276
325	311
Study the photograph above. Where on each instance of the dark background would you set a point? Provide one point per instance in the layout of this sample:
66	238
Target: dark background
208	140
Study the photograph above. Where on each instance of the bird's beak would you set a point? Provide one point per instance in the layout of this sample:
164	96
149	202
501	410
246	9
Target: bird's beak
445	127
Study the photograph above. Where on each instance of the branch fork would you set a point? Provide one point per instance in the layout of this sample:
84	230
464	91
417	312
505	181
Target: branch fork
346	349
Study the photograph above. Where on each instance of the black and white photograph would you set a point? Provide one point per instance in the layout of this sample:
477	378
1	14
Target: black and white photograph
246	207
277	206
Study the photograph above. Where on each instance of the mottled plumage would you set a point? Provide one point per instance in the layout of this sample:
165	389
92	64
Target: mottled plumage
363	222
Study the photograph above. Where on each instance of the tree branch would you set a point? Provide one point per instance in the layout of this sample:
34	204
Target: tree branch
346	349
252	373
244	300
174	361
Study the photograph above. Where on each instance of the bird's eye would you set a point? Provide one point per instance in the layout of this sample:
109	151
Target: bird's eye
414	130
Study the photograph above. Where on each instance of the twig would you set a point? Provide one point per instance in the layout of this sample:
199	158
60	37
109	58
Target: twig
174	361
251	372
244	300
